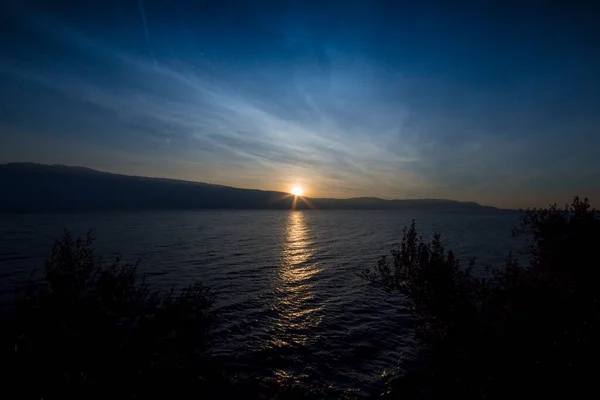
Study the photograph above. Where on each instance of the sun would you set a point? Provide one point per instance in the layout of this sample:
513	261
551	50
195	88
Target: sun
297	191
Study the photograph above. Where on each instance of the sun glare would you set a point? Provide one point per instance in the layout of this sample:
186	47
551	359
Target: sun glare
297	191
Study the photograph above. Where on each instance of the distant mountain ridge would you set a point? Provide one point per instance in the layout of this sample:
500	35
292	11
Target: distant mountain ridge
29	187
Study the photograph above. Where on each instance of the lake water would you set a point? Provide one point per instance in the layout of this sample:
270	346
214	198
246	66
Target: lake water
290	305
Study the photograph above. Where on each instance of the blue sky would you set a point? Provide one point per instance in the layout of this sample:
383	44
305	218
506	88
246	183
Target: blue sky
469	101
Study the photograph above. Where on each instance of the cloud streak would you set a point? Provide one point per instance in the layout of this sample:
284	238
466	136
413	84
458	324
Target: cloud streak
146	33
216	120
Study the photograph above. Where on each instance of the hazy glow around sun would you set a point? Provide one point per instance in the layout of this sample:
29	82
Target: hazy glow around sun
297	191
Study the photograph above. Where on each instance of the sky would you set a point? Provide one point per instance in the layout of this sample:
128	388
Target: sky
494	102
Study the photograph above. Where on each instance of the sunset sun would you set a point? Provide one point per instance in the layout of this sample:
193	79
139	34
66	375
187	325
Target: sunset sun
297	191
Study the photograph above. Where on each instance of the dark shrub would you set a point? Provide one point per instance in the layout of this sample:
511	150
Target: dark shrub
524	330
89	330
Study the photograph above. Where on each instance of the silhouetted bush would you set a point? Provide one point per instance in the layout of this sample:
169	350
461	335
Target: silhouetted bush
90	330
524	330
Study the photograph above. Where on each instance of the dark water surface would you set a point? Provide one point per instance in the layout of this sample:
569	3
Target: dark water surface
289	302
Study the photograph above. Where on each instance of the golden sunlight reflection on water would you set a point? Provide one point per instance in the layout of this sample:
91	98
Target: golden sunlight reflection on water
298	313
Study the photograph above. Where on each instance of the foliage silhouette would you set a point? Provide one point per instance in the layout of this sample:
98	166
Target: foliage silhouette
93	331
524	330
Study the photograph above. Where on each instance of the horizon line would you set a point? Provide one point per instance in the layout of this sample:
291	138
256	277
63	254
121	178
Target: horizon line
243	188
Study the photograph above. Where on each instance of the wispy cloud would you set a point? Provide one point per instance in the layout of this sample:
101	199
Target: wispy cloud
303	131
146	33
351	128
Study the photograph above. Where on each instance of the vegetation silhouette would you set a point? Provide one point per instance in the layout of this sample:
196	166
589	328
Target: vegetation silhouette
92	330
89	329
523	330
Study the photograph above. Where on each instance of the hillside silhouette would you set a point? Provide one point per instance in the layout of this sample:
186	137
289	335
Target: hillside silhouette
29	187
